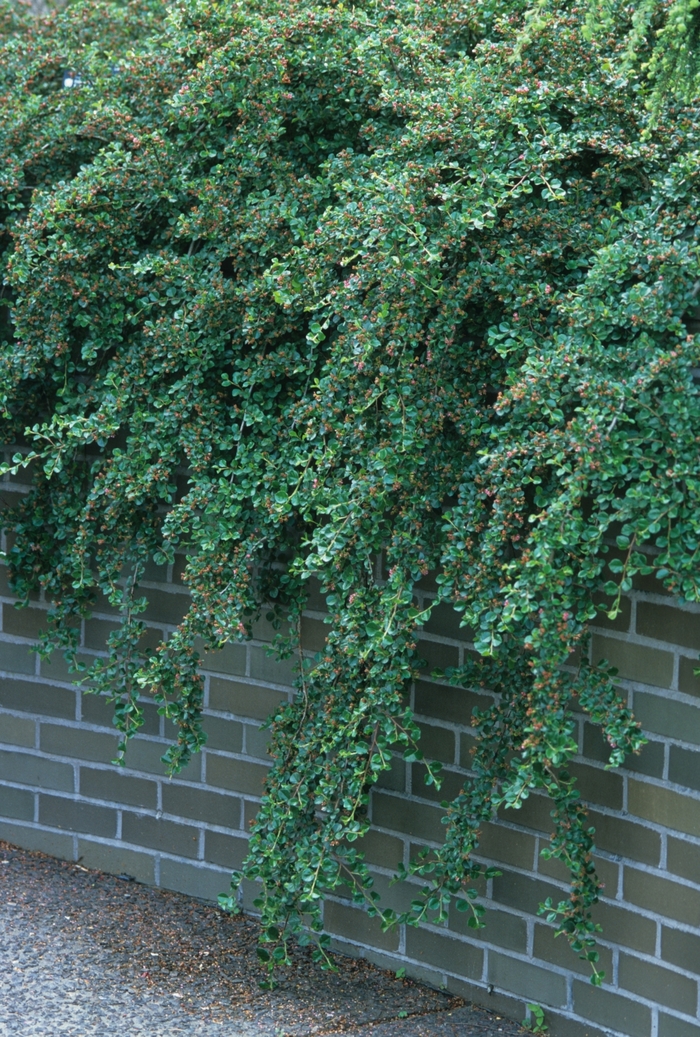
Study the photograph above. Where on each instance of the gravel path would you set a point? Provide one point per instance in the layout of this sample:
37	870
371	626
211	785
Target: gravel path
84	953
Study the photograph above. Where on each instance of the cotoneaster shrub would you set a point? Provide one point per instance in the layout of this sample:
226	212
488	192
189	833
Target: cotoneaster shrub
385	279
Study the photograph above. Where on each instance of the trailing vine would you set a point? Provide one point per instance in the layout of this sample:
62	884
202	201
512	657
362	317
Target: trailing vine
296	288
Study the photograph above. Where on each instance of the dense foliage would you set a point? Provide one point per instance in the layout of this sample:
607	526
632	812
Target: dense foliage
399	279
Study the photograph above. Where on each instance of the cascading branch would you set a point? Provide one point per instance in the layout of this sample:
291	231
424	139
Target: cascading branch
381	279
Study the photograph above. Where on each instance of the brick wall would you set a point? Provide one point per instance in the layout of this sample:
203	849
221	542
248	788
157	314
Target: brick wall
60	794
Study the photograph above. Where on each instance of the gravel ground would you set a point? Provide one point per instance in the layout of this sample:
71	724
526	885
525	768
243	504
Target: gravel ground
85	953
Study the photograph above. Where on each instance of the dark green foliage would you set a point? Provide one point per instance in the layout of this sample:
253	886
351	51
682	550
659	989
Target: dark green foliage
304	285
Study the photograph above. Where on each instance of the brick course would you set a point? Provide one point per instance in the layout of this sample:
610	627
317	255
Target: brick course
59	793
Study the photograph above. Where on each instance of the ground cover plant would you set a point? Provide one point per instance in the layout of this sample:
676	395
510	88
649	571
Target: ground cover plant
383	279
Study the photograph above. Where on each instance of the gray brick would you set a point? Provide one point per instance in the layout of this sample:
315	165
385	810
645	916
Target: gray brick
117	860
16	658
394	777
98	710
257	741
445	622
664	716
144	755
54	843
34	770
621	622
441	702
17	730
665	807
445	952
357	926
663	897
316	600
167	836
524	893
664	986
502	928
97	632
684	767
58	812
557	951
56	668
264	667
32	697
313	634
607	871
688	680
117	787
467	742
669	1026
623	926
250	812
401	815
223	734
236	775
230	658
610	1009
17	803
436	656
681	949
507	845
201	805
381	849
245	700
193	879
597	786
683	859
535	812
166	606
227	850
437	743
616	835
530	981
665	623
76	742
635	662
650	761
24	622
